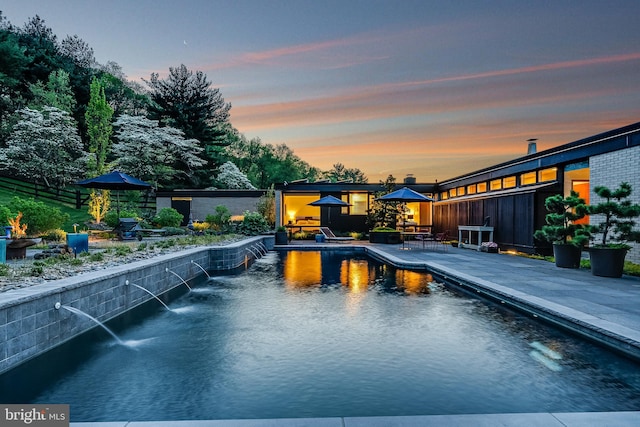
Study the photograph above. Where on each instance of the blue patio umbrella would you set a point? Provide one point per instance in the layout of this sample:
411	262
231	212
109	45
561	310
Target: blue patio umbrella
115	180
330	202
405	195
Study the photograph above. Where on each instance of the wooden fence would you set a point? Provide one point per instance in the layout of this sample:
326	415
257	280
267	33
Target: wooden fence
77	198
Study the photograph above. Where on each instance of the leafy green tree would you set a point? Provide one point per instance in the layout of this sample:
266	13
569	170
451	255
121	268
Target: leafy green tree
98	122
13	60
45	147
155	154
124	97
341	173
78	51
55	93
266	206
185	100
383	214
41	47
265	164
229	176
13	64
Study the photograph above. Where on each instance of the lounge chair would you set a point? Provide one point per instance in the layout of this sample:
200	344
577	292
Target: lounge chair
330	237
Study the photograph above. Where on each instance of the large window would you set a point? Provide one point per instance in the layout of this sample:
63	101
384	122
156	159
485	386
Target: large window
482	187
358	202
509	182
495	184
550	174
471	189
528	178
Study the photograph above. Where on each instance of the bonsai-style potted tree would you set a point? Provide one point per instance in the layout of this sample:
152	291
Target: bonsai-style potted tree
615	230
561	230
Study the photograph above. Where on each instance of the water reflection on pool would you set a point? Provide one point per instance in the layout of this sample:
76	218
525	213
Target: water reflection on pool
318	334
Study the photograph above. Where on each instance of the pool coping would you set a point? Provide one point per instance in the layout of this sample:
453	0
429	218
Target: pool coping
542	419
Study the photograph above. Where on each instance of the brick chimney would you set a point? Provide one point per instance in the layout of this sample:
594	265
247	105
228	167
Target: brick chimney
409	179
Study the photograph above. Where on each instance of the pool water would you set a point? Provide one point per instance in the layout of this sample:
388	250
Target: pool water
320	334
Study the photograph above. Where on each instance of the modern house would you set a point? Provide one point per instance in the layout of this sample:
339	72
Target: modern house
197	204
293	209
508	196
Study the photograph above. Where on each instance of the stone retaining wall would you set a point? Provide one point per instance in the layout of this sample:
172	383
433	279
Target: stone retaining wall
31	325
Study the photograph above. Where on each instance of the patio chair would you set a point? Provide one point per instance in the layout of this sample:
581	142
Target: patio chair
442	239
330	237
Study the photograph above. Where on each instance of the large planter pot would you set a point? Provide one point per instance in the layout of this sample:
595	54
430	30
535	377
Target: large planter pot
567	255
607	262
281	238
387	237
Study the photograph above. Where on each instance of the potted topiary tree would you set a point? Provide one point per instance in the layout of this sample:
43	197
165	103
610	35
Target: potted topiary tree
561	230
615	229
281	236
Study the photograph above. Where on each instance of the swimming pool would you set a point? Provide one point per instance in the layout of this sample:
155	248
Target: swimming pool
323	333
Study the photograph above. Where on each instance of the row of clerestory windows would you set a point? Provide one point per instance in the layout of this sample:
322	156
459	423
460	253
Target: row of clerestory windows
513	181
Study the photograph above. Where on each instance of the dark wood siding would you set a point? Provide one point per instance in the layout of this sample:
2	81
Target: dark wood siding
514	217
524	221
504	228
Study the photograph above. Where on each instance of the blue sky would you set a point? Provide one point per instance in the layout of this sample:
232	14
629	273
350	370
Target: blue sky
431	88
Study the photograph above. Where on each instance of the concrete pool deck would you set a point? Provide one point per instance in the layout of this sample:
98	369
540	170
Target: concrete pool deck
610	306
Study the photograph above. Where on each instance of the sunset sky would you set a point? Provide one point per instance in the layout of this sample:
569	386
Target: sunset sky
431	88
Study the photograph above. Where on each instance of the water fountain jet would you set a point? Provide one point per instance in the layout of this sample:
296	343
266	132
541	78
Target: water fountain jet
201	268
178	276
253	253
262	247
149	292
79	312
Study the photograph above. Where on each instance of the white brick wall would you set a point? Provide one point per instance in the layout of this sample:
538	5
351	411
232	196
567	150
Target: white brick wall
610	170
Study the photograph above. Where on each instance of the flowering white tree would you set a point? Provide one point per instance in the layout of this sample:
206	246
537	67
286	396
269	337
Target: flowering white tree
152	153
230	176
45	147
